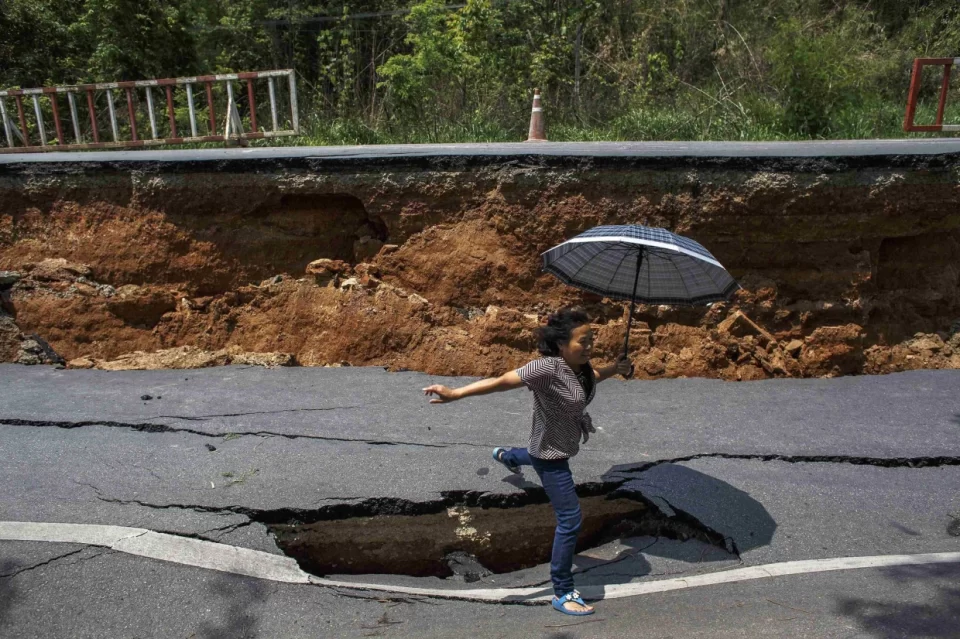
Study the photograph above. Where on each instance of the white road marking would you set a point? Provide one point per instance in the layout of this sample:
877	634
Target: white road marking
255	563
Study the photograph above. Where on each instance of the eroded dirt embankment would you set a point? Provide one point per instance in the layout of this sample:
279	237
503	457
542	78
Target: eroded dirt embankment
848	266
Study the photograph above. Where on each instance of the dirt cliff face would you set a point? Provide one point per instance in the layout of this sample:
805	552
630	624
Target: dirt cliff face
847	266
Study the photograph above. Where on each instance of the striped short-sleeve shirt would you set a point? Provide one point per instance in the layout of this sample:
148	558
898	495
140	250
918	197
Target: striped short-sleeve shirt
559	400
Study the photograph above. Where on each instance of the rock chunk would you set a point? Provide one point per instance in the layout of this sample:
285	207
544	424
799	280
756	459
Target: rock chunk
365	248
833	350
59	269
35	350
187	357
739	325
328	272
9	278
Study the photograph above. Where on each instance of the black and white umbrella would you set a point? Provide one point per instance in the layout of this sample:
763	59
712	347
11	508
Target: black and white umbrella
640	264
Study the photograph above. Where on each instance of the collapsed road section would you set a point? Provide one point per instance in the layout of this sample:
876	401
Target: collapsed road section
472	535
427	258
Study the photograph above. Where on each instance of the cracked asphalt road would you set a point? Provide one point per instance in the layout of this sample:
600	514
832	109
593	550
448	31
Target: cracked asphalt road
788	469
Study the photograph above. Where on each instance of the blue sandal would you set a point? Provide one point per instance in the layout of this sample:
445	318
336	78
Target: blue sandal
498	457
558	603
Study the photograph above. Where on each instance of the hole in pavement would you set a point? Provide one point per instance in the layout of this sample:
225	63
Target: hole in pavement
470	534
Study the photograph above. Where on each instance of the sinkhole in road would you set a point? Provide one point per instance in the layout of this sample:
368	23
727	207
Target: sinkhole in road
470	535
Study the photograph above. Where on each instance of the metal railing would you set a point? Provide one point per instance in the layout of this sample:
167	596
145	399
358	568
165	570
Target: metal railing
125	131
918	64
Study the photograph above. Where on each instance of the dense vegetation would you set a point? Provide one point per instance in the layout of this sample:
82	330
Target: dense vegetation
447	70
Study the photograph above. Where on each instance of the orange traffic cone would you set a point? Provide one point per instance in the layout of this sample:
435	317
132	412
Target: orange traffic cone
536	120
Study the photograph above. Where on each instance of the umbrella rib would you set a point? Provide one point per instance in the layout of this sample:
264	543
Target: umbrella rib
626	254
582	266
709	276
680	275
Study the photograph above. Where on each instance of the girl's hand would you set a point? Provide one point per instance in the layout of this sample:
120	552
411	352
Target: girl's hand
624	366
444	394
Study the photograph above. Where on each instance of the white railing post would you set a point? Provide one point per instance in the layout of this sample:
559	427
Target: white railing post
6	123
273	101
295	117
113	116
40	127
74	118
193	112
150	112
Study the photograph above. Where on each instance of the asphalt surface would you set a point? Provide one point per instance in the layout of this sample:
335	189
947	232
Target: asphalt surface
810	149
785	469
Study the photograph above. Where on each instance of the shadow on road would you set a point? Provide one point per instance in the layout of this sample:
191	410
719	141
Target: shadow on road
8	592
938	617
242	595
702	502
698	506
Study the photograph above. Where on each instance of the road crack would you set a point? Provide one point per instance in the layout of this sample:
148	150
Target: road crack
11	575
881	462
147	427
201	418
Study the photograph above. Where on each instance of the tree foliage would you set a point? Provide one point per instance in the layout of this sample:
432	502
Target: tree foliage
385	70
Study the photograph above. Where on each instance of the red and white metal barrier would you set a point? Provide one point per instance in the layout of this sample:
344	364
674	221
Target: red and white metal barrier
918	64
20	138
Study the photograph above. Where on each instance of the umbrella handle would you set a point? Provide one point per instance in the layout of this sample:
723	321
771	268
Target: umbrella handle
626	339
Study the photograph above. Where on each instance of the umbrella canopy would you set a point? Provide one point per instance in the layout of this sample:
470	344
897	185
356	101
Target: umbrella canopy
640	264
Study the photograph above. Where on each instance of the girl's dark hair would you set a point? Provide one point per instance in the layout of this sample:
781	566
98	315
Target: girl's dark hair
558	329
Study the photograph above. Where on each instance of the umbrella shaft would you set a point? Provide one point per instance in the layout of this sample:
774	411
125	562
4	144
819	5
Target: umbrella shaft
626	340
633	303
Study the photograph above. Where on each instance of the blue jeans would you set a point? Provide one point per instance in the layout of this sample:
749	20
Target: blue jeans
557	481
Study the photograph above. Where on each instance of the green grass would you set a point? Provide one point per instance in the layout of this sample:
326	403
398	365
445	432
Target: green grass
757	121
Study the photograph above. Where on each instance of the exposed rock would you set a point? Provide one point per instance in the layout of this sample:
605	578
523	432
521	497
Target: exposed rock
9	278
58	269
794	347
778	364
365	248
954	341
35	350
417	301
368	275
188	357
350	284
465	567
140	306
328	272
739	325
833	350
276	279
920	352
81	363
925	344
10	339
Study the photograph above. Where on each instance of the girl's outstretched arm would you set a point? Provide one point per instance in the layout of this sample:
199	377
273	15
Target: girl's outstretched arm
505	382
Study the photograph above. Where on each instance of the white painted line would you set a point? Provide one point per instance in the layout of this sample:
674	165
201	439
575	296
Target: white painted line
254	563
93	535
214	556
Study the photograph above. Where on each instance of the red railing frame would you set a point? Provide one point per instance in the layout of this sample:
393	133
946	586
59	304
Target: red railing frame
8	128
938	126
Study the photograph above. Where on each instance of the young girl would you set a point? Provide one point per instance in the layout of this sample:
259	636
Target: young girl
563	383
